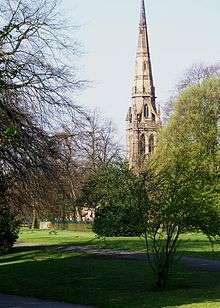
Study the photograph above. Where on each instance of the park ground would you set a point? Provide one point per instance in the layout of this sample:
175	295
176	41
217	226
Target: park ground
44	271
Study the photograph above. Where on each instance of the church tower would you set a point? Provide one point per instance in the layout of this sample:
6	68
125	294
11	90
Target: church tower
143	118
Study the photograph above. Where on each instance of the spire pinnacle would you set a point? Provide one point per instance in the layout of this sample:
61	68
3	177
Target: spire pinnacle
143	83
143	14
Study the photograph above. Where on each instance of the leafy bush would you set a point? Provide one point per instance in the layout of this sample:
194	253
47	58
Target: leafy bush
117	221
119	199
9	228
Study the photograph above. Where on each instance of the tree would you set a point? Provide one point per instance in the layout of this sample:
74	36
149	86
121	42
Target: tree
114	192
9	225
9	228
33	59
89	145
95	141
196	74
192	76
184	186
36	81
179	189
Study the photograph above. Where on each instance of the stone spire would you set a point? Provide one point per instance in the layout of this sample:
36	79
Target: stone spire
143	81
143	119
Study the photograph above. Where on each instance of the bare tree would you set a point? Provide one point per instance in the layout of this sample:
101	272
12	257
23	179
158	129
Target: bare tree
193	75
97	142
196	74
36	83
34	49
91	141
87	146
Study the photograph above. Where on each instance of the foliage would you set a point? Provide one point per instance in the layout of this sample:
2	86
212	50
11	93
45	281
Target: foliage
193	75
117	220
177	192
9	227
114	192
185	173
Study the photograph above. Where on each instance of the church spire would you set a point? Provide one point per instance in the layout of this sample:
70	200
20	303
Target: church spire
143	118
143	83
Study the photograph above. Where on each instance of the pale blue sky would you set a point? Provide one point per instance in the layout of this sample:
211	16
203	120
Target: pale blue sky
181	33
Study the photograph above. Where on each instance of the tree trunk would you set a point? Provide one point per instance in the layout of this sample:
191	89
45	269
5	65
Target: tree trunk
161	280
162	275
35	219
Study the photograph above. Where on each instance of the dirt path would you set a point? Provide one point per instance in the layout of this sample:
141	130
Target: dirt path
190	262
11	301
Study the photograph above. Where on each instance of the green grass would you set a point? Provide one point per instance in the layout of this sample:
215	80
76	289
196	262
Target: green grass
105	282
56	237
102	282
193	244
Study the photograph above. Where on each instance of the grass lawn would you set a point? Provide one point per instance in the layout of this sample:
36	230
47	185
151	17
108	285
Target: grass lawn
102	282
194	244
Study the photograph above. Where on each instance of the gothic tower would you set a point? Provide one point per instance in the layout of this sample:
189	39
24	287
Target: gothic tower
143	118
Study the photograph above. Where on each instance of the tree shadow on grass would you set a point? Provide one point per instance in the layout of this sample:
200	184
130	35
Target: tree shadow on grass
195	248
100	281
191	244
20	254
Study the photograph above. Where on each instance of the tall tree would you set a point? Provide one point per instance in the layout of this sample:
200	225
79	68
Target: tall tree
186	175
88	146
36	81
178	191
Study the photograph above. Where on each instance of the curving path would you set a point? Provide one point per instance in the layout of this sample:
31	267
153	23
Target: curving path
190	262
11	301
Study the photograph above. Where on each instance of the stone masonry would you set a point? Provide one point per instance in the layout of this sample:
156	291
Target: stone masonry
143	118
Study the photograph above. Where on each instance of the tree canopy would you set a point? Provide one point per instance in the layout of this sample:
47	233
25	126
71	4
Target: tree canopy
178	188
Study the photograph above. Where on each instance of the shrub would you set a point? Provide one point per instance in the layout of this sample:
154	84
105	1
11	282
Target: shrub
119	199
117	221
9	228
